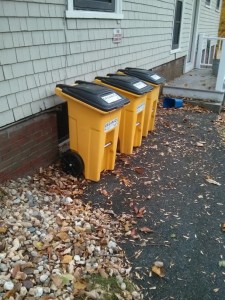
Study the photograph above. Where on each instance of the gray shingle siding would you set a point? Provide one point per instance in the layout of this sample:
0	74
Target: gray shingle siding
40	48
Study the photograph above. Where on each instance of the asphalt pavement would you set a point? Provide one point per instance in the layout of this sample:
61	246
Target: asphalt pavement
176	179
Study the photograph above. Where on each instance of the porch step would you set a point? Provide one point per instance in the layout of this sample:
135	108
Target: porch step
209	99
212	106
193	94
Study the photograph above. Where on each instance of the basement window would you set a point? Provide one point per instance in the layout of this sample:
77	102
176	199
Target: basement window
94	9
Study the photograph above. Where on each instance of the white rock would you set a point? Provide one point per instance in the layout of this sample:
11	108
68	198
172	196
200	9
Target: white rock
40	268
159	264
17	201
13	192
68	200
91	249
38	291
119	279
34	253
112	245
32	291
3	267
16	244
23	291
47	290
77	258
136	295
8	285
87	226
43	277
15	258
123	286
2	256
46	199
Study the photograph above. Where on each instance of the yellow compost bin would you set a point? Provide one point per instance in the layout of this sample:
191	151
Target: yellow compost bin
132	117
94	116
156	81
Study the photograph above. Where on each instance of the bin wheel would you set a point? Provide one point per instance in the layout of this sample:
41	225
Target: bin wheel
72	163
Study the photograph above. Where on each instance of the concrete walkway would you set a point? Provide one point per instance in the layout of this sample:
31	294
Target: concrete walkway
200	79
168	177
196	85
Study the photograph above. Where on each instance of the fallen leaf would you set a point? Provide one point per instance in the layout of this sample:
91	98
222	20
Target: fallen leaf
127	227
136	210
104	192
146	229
139	170
47	298
10	293
209	180
158	271
141	212
3	229
223	227
80	285
66	278
198	144
15	270
138	253
133	232
57	280
222	263
126	181
63	236
103	273
66	259
38	245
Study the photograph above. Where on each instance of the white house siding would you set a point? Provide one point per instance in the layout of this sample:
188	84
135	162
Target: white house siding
40	48
209	19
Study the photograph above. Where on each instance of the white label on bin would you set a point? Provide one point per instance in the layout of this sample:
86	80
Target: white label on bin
111	124
155	77
140	107
111	98
140	85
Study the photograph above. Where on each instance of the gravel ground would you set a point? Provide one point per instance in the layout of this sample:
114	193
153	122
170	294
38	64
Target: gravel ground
54	246
163	207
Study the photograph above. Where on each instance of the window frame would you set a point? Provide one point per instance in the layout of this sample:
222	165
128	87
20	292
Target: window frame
177	49
208	3
94	14
218	6
91	5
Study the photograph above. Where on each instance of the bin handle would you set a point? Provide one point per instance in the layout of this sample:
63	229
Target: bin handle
81	81
86	82
113	74
108	144
62	85
100	77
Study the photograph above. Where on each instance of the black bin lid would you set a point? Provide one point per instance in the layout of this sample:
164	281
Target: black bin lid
146	75
126	83
95	95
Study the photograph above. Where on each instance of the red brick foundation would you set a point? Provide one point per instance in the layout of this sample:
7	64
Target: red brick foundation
26	146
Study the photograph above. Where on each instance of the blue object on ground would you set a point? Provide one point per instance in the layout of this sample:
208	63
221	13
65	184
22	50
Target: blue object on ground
172	102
